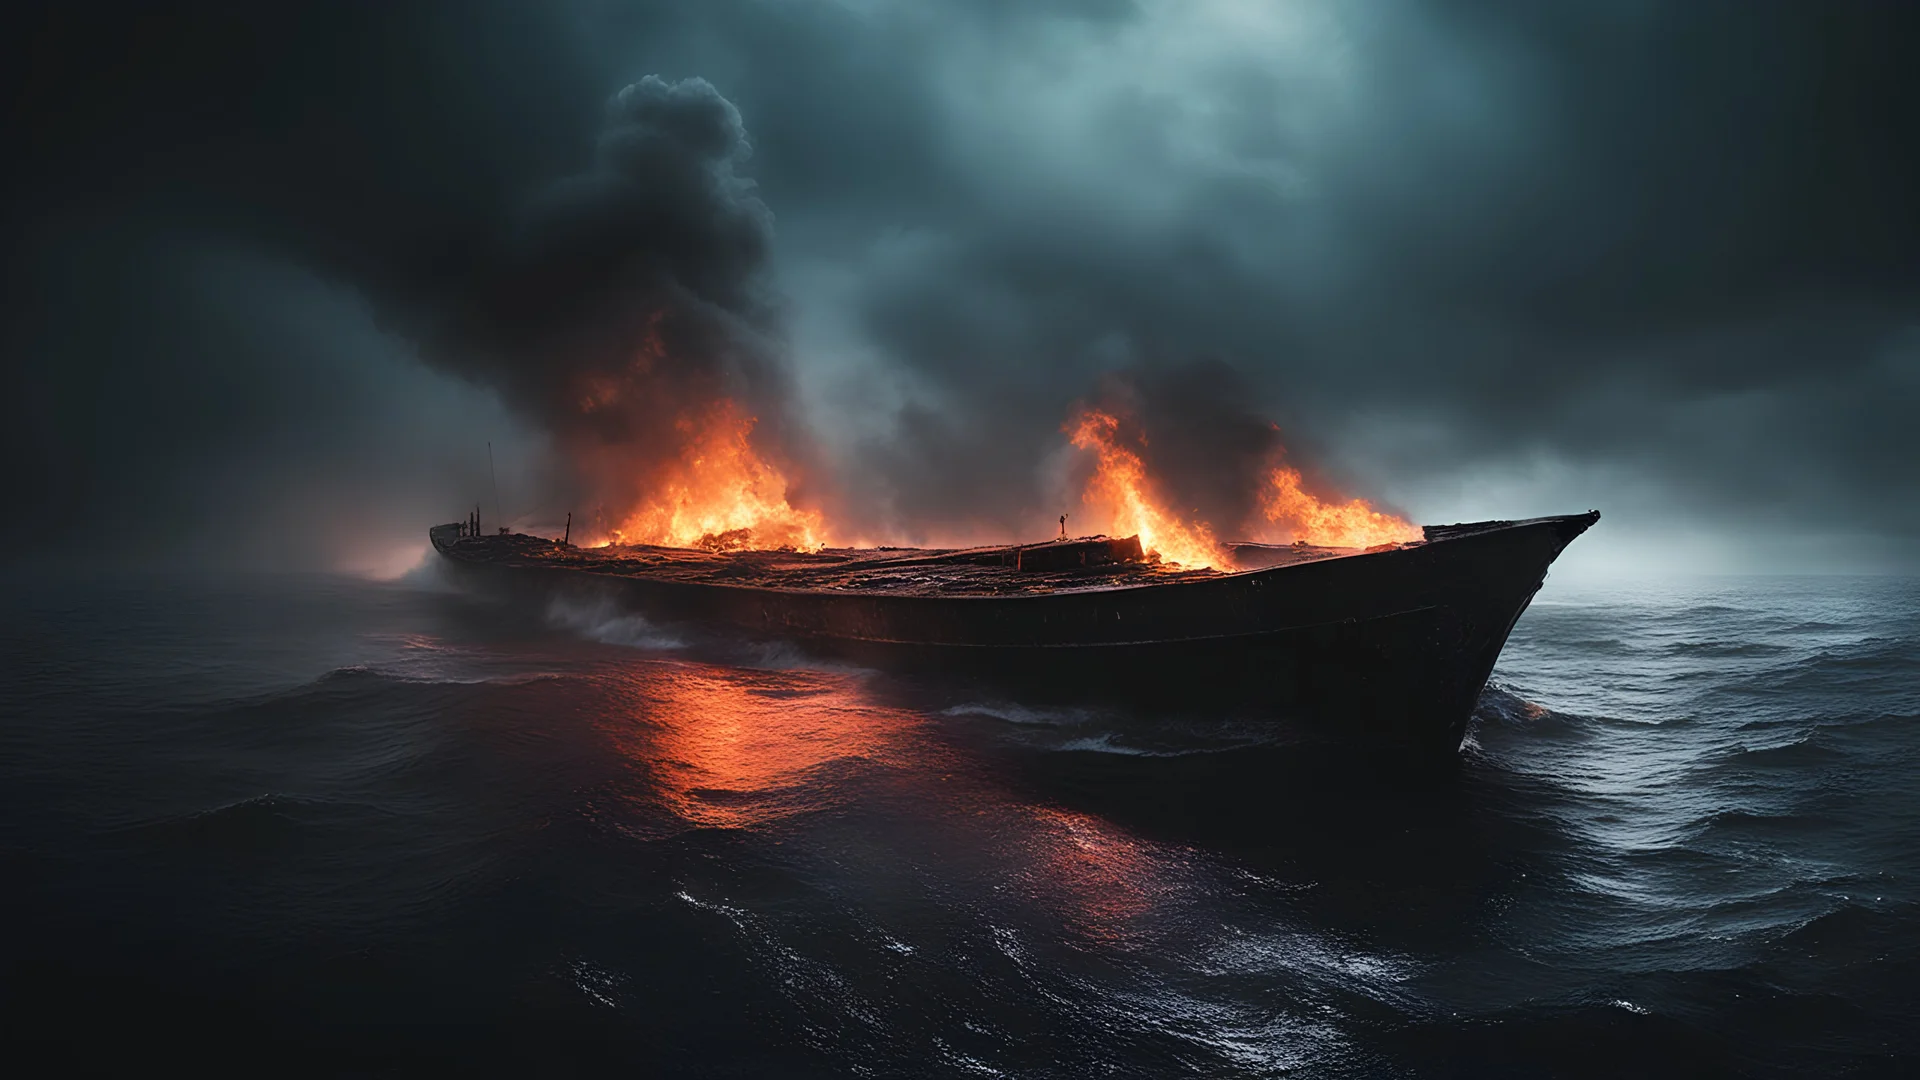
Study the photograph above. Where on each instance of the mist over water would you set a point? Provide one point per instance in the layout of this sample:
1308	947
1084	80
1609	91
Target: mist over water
395	828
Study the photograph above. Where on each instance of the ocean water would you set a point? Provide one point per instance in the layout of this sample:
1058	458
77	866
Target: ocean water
318	825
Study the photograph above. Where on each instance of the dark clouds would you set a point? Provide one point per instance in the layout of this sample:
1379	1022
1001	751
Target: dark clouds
232	407
223	225
1663	252
1474	257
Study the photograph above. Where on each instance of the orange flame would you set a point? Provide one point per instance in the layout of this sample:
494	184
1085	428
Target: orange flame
1119	491
720	494
1354	523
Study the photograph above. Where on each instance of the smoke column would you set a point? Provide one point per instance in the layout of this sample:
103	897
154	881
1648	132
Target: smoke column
629	312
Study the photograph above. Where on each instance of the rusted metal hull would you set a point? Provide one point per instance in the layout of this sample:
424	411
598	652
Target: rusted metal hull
1389	647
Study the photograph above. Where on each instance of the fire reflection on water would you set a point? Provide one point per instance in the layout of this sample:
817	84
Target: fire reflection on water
749	749
733	748
1094	874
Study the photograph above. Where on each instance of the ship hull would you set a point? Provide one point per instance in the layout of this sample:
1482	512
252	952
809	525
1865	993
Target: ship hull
1388	649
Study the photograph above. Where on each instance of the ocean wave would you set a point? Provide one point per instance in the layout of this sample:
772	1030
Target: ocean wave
384	674
1814	626
1804	752
1025	715
1105	743
1853	932
600	618
1694	613
1900	723
1866	659
1502	707
1605	646
348	685
1727	649
1869	650
261	821
1752	823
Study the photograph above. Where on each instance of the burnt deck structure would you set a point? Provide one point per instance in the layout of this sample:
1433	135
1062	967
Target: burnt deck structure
1387	646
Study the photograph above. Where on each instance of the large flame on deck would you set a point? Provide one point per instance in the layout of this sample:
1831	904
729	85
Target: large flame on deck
1302	517
1121	494
1124	499
709	485
720	493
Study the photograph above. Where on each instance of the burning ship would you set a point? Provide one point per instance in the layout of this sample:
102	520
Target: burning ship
649	358
1387	645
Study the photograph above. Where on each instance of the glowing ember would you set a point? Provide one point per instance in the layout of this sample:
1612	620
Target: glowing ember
1119	492
720	494
1305	518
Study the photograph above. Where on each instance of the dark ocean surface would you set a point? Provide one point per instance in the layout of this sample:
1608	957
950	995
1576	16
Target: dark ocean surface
320	825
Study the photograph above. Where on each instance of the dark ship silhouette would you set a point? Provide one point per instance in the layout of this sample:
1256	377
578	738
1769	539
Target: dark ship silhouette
1389	646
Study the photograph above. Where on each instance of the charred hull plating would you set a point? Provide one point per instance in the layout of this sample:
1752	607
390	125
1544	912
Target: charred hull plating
1390	648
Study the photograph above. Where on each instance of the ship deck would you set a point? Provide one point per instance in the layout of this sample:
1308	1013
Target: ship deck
895	571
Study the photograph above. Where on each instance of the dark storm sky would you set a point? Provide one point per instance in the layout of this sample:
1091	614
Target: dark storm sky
272	270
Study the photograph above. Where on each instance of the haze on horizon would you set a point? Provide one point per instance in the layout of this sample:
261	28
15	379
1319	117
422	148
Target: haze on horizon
1475	259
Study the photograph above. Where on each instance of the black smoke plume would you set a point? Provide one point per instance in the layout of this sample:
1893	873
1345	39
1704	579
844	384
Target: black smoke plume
632	298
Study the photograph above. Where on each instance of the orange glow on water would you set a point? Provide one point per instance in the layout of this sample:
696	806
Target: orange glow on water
734	748
1123	502
767	751
1092	871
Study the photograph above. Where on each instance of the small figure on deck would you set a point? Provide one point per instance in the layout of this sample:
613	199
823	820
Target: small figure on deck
1063	526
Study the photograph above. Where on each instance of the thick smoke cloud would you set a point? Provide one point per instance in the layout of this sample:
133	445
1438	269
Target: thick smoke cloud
227	229
632	296
661	232
1474	258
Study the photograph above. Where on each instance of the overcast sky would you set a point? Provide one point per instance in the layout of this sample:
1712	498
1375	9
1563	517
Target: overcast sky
276	273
